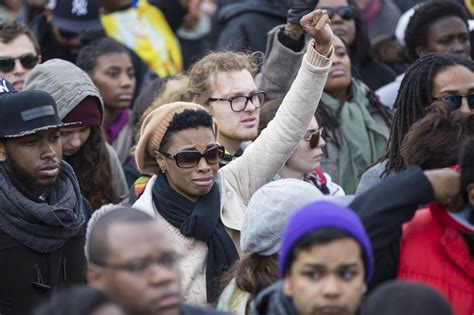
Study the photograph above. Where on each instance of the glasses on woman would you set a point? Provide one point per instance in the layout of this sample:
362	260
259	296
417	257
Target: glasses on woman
239	103
191	158
346	13
313	137
455	101
28	61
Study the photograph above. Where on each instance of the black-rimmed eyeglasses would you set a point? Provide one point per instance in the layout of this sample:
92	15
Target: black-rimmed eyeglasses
239	103
191	158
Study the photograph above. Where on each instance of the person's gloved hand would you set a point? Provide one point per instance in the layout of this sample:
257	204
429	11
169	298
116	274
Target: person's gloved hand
299	8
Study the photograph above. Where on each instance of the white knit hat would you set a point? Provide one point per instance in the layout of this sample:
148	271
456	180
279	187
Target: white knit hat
269	210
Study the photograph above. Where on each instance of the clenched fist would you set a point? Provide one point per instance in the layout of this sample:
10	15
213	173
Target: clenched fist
316	25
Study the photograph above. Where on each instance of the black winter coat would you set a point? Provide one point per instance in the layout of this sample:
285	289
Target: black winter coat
28	277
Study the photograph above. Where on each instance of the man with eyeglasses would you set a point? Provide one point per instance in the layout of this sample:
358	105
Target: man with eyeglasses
131	258
223	82
19	52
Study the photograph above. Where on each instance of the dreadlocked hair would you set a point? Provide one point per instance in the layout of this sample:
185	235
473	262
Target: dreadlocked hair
414	95
416	33
93	169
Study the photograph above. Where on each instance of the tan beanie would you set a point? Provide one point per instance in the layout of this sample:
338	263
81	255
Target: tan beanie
153	129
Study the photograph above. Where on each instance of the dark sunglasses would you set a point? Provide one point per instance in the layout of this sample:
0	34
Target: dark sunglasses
191	158
28	61
346	13
313	137
455	101
67	34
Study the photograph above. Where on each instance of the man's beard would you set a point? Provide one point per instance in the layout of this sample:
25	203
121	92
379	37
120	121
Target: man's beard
23	180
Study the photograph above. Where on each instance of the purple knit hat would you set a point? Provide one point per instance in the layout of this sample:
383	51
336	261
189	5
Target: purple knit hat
324	214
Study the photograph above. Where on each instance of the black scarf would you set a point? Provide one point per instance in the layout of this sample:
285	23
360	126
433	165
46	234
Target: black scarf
201	221
42	226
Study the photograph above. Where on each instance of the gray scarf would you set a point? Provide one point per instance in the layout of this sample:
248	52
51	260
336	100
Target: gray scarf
42	226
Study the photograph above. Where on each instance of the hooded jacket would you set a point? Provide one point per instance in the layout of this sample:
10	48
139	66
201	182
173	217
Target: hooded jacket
69	85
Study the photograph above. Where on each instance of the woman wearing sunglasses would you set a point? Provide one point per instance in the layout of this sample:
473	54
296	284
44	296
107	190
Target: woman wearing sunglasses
19	52
437	76
348	25
305	162
201	206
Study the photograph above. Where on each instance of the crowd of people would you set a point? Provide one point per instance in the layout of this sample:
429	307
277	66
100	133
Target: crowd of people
300	157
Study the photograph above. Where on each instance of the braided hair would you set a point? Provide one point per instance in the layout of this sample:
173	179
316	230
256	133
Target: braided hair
414	95
417	30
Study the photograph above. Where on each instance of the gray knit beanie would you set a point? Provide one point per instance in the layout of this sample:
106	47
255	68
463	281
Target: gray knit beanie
269	210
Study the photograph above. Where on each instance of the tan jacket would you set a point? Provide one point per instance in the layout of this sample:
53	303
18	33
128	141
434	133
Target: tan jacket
239	179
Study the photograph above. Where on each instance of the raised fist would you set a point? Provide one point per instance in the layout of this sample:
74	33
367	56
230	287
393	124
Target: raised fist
316	25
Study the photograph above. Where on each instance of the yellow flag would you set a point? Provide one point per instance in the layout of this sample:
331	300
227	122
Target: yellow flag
144	30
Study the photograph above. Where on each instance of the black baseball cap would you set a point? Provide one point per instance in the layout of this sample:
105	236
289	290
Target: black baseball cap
77	15
27	112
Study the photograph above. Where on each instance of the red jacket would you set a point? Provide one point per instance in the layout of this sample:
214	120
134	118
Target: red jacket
433	251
